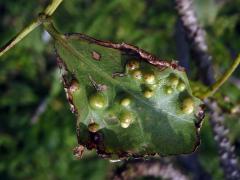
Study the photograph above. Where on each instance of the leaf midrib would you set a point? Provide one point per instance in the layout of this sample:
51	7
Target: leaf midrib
95	68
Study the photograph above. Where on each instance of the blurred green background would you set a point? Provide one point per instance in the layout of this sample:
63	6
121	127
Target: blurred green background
37	129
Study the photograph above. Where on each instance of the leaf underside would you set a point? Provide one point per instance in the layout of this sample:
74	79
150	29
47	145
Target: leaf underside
127	102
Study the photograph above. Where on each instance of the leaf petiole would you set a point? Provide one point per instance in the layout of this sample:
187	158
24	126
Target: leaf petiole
19	36
51	8
212	89
48	12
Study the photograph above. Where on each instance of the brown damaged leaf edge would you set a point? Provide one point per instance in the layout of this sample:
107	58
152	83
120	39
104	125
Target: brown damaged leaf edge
200	116
96	138
128	49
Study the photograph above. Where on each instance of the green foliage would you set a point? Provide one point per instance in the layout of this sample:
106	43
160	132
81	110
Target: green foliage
44	149
161	111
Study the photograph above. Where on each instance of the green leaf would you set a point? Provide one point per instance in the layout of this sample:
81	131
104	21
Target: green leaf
127	102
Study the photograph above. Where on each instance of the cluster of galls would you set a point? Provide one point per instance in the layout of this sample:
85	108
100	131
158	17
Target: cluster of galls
99	100
149	79
176	84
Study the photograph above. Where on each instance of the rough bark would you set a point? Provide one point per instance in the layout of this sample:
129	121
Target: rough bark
228	158
196	37
151	169
197	40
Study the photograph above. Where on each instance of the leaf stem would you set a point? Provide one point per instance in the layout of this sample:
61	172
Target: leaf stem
24	32
52	7
19	36
212	89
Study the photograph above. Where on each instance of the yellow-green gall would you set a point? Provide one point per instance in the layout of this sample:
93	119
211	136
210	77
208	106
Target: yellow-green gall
153	86
93	127
149	78
125	119
148	93
133	65
168	90
173	80
181	86
188	106
125	125
137	74
98	101
125	102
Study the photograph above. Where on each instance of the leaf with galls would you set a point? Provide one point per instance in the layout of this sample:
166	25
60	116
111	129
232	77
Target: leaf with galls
127	102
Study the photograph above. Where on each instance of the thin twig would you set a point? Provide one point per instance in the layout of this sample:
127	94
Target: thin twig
19	36
29	28
223	79
52	7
